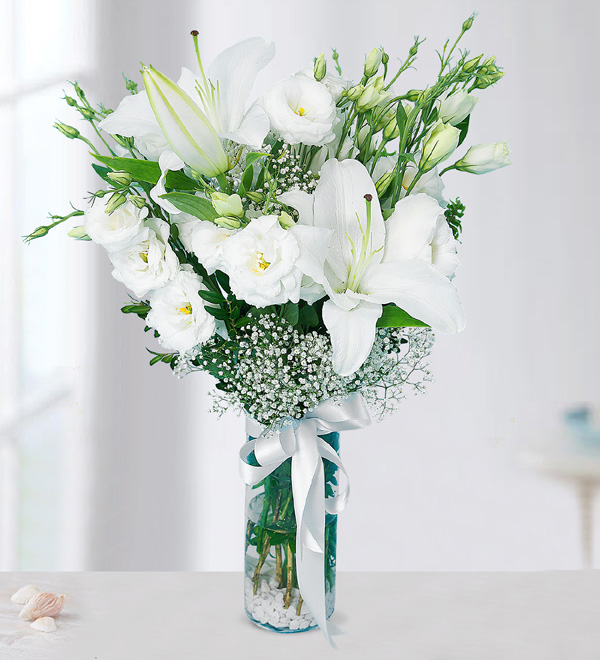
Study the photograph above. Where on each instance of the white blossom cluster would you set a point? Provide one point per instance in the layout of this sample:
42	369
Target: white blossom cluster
276	373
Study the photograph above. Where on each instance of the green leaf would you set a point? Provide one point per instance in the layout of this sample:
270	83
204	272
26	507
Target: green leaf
401	117
223	280
140	309
102	172
251	157
309	317
196	206
291	313
463	127
155	359
211	297
148	171
394	317
218	313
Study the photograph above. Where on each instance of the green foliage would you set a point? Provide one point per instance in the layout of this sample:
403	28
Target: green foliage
141	309
454	213
196	206
394	317
147	171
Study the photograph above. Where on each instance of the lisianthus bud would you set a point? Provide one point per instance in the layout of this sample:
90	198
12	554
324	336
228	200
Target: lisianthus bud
137	200
71	101
385	58
353	93
254	196
116	200
227	205
468	24
122	178
228	223
378	83
413	95
372	62
368	99
286	220
79	233
391	130
440	142
383	183
88	114
482	158
67	131
320	68
456	107
471	65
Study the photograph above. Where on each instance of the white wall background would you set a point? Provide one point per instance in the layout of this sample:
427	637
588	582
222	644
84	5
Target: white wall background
436	487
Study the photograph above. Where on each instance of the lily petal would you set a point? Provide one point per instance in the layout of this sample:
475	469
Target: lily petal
417	288
352	334
253	129
314	243
187	129
410	228
167	161
132	118
340	205
236	69
303	202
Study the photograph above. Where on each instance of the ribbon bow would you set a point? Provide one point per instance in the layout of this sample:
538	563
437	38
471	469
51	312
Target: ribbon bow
300	441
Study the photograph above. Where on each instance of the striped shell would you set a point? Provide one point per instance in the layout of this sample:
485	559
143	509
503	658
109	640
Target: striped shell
43	605
25	594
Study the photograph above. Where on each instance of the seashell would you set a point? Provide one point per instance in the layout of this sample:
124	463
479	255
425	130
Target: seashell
43	605
25	594
44	624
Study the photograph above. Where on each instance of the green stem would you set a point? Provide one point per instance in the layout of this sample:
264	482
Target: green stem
223	183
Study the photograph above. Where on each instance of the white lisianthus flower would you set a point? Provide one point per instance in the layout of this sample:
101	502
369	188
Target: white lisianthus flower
429	183
116	230
301	110
206	241
148	262
334	83
455	108
483	158
266	262
186	225
178	314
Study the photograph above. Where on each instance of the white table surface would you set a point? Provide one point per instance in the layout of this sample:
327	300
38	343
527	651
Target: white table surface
404	616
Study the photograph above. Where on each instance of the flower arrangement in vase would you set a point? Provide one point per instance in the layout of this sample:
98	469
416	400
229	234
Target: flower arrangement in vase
300	249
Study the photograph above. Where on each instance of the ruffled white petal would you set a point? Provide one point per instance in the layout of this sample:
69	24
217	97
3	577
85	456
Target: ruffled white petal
352	334
411	227
417	288
236	69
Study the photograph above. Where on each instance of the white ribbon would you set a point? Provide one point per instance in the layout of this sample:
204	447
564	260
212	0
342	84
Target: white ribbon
300	441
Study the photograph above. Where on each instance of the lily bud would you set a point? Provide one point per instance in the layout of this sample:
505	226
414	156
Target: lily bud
383	183
320	68
483	158
227	205
372	62
121	178
116	200
137	200
67	131
286	220
440	142
228	223
184	125
455	108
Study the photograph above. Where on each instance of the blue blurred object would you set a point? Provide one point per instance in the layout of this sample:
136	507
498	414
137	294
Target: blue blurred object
579	423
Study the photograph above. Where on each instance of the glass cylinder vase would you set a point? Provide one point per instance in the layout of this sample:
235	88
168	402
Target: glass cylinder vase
272	598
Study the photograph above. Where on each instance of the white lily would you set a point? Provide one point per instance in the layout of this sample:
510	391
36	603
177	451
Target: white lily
220	97
371	262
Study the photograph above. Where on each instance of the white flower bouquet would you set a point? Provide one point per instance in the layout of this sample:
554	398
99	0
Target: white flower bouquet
300	249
